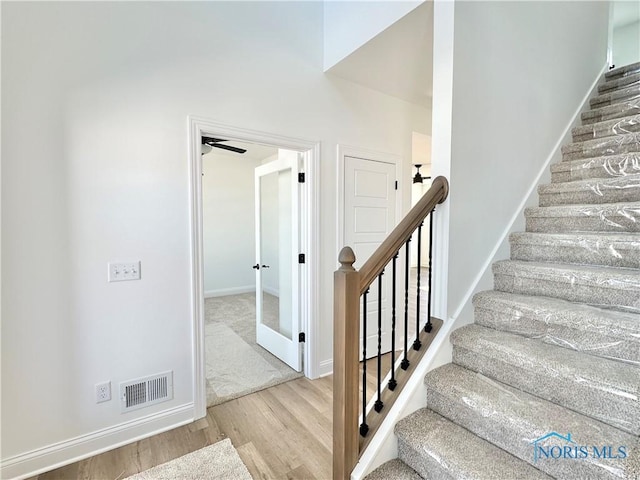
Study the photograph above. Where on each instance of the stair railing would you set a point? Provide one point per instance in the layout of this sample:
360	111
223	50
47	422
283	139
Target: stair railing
351	429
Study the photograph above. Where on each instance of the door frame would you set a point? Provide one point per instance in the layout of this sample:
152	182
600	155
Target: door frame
310	241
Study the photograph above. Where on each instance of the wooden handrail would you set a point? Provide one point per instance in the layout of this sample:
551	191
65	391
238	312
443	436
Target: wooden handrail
349	285
385	252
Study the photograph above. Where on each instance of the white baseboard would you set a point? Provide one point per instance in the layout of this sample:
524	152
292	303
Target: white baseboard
271	291
223	292
326	368
69	451
384	446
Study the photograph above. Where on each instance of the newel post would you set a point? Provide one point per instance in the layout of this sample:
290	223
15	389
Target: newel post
346	326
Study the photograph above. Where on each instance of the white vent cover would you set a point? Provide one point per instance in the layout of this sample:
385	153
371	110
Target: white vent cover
143	392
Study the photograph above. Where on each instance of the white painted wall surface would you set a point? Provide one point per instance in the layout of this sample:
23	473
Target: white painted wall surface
228	204
95	101
626	44
350	24
514	91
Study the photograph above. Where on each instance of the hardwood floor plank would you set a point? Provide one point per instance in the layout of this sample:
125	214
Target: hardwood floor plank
301	473
309	417
258	467
300	440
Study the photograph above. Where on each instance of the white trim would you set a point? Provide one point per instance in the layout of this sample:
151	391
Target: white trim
69	451
223	292
326	368
441	132
271	291
310	316
310	276
610	36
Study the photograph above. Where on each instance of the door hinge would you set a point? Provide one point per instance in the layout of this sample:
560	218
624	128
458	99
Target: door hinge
302	258
302	337
396	184
301	177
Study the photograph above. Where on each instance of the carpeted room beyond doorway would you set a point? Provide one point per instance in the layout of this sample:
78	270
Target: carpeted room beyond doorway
235	364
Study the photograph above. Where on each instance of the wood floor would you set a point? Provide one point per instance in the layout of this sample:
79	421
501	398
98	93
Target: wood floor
283	432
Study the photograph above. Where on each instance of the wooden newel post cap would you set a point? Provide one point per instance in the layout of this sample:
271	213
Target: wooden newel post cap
347	258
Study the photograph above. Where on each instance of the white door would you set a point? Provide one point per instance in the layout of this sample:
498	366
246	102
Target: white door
369	216
277	269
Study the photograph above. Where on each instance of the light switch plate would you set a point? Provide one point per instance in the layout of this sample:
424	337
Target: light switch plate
120	272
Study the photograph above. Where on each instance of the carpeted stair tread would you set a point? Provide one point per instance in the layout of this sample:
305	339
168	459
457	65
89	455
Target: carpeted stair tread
512	420
437	448
608	128
615	96
596	331
394	469
596	387
609	166
619	82
609	217
615	288
618	110
604	190
624	143
606	249
622	71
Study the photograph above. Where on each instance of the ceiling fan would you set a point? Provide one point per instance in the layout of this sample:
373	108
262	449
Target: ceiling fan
215	142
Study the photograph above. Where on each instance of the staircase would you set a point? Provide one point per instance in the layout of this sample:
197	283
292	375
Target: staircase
546	382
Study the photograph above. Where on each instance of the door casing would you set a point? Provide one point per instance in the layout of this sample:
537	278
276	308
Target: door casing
309	229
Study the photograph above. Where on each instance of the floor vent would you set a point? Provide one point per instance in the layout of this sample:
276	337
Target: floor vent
147	391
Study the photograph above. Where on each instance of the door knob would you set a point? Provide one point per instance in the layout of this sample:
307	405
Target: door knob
256	266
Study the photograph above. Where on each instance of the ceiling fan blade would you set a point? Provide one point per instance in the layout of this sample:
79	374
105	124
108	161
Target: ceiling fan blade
210	140
228	147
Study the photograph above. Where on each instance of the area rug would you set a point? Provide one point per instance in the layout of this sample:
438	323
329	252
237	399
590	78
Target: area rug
236	369
235	364
219	461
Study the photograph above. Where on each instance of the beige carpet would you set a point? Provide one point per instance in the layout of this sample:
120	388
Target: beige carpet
219	461
235	364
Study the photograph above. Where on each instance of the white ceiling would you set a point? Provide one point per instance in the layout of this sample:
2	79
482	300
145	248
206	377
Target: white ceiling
398	61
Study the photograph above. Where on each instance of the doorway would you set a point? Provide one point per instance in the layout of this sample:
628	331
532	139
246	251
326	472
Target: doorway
368	211
253	219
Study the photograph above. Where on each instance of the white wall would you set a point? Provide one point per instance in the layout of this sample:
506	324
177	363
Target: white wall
228	204
626	44
514	92
350	24
95	101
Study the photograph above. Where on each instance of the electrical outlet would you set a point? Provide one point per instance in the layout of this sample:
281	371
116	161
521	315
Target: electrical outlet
103	392
120	272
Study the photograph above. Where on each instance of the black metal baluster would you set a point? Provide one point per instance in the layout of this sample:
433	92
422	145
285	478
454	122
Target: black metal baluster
417	343
378	405
364	428
428	327
405	361
392	383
